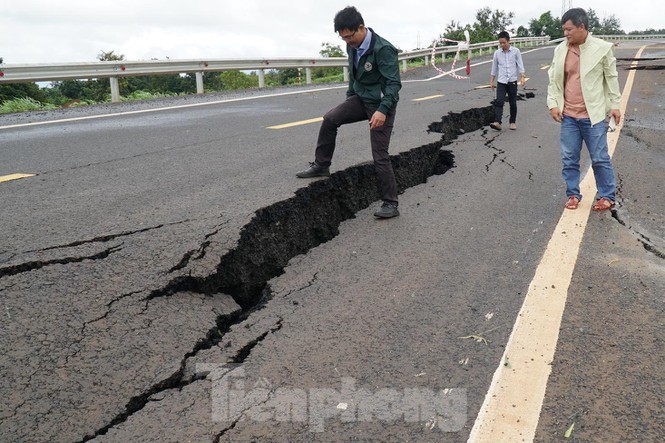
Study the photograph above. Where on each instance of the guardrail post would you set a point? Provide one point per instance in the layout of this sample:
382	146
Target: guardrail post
308	75
199	82
346	73
262	78
115	90
404	65
426	60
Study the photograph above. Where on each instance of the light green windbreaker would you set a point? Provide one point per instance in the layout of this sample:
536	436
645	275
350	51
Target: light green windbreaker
598	71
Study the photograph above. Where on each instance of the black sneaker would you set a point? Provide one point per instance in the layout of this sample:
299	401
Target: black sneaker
387	210
314	170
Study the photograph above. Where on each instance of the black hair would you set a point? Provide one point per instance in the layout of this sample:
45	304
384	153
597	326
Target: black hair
504	34
348	18
577	16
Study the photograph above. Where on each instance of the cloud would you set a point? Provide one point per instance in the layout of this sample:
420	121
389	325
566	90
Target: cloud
48	31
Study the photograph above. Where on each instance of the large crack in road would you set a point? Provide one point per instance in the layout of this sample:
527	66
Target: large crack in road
288	228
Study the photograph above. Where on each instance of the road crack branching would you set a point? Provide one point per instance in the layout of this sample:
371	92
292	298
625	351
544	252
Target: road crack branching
291	227
34	265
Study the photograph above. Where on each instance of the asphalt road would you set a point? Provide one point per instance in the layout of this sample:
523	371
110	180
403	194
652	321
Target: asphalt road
165	277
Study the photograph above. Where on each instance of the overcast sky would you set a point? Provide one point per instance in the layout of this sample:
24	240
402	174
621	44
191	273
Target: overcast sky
59	31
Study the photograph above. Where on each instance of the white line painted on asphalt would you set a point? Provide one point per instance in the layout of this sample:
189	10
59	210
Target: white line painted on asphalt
511	409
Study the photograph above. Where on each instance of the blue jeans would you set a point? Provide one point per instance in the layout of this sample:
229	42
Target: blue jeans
573	132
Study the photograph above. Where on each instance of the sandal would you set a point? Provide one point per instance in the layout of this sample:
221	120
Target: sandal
573	202
603	204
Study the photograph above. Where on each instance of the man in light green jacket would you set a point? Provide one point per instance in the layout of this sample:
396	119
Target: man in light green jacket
583	91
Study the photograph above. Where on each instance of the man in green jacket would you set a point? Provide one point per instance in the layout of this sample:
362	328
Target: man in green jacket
373	93
583	90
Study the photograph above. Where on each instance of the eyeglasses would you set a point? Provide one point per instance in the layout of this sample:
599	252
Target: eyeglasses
346	38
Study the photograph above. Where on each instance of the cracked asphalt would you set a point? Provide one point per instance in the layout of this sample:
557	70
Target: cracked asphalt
165	277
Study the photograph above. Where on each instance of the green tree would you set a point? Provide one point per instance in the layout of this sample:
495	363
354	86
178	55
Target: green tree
455	31
110	56
489	23
21	90
649	31
522	32
594	22
546	25
238	80
329	50
610	25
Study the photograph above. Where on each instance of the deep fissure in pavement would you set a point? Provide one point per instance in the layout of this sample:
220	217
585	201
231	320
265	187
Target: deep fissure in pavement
292	227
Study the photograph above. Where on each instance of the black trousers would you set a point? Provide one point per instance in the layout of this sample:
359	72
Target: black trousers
501	90
353	110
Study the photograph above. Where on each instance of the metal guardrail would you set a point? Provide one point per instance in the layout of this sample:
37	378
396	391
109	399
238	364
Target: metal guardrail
115	69
631	37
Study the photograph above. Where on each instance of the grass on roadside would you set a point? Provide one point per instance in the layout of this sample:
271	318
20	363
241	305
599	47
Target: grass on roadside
24	104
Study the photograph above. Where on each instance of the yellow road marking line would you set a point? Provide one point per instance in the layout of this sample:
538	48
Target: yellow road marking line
301	122
545	67
427	98
511	409
10	177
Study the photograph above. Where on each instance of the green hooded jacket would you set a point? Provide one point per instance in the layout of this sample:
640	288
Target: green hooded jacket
376	80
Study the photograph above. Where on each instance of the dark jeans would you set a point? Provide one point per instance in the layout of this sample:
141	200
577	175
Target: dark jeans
501	90
354	110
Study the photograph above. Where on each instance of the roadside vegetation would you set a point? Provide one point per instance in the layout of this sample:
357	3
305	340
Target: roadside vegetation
73	93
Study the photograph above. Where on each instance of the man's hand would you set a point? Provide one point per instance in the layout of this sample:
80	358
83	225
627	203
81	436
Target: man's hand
616	114
377	120
556	115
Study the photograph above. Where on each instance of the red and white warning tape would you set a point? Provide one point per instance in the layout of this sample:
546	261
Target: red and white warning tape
461	45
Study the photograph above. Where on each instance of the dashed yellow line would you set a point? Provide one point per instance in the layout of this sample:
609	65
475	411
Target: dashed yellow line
427	98
10	177
544	67
301	122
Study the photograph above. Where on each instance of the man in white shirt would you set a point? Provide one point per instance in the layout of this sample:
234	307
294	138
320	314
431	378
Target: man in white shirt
507	64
